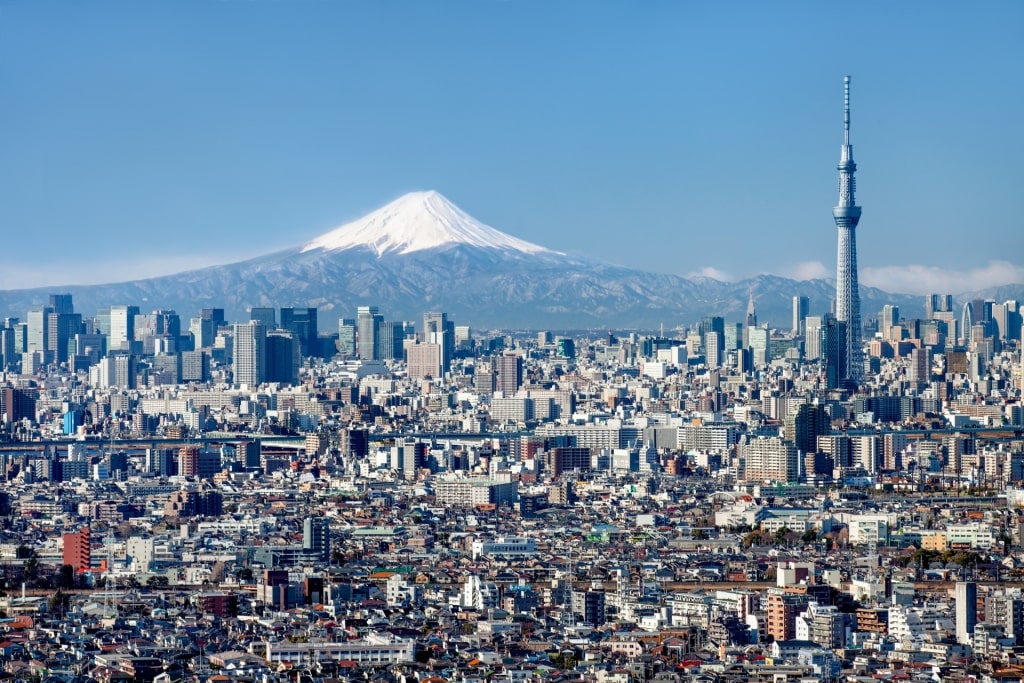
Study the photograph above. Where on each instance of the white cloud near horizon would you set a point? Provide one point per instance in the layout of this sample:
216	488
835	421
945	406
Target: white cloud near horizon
899	279
807	270
711	272
918	279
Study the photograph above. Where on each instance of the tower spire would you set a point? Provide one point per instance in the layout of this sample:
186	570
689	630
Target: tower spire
846	110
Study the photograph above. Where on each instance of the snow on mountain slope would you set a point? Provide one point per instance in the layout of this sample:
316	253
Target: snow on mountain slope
415	222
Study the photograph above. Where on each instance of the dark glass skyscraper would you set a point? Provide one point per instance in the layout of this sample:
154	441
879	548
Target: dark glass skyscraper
302	322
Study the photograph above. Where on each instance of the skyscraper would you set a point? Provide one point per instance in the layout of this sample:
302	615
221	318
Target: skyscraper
122	327
368	320
847	216
937	303
283	353
390	338
890	318
801	307
833	349
38	337
267	316
61	303
437	329
250	354
347	337
302	322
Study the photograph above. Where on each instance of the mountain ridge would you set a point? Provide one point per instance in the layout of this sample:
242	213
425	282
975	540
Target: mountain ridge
422	252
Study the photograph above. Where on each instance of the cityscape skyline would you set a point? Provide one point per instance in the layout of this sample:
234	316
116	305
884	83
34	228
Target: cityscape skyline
421	252
667	162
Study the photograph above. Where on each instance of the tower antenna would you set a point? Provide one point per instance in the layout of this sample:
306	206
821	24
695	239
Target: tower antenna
846	110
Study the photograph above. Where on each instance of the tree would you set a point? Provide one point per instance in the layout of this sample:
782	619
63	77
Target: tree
809	536
32	569
157	581
780	535
750	539
59	600
66	577
699	534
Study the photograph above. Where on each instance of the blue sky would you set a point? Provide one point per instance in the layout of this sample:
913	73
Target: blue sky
139	138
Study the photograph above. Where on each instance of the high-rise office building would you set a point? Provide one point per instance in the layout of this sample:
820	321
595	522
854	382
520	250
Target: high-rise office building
368	320
801	308
936	303
195	366
264	314
250	353
7	345
214	315
966	321
833	348
204	332
347	337
713	323
283	357
463	337
713	349
890	318
38	329
759	342
101	322
390	341
61	329
437	329
733	336
302	322
122	327
847	215
61	303
1007	319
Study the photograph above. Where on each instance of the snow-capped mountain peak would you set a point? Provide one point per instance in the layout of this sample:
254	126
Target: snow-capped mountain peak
416	222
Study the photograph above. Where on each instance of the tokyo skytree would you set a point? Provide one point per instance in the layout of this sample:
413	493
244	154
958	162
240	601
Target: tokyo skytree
847	215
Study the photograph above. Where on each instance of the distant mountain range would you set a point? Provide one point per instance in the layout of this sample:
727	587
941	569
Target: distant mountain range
421	253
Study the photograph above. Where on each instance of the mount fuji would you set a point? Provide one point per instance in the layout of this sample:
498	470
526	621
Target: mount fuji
421	252
419	221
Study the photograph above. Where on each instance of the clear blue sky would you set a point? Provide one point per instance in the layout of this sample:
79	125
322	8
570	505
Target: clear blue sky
142	137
